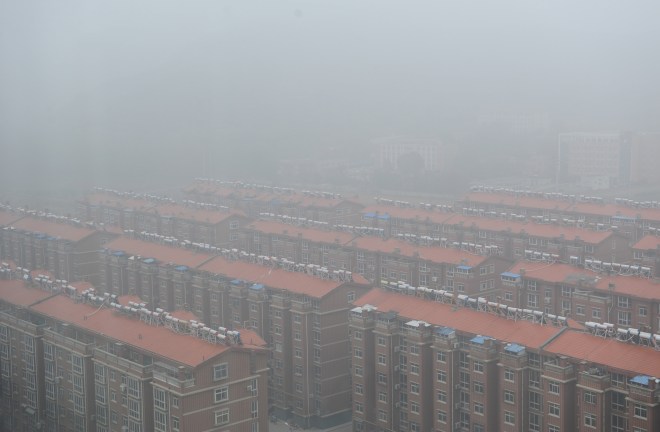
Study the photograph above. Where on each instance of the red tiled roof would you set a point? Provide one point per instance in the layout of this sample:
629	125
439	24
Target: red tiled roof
162	253
608	352
427	253
615	210
550	231
299	283
160	341
647	242
111	200
211	217
53	229
315	235
466	320
516	201
7	218
16	292
417	214
554	273
634	286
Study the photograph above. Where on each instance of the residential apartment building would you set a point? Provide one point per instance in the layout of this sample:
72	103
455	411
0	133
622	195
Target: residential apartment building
607	294
67	250
303	317
420	365
646	252
83	362
630	218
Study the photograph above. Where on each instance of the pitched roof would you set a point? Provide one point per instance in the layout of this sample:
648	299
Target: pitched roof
162	253
417	214
17	293
311	234
467	320
554	273
7	217
192	214
112	200
550	231
635	286
53	229
615	210
299	283
516	201
608	352
427	253
647	242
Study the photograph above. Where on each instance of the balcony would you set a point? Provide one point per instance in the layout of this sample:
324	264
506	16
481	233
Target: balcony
644	393
122	363
171	381
25	326
69	343
594	379
562	371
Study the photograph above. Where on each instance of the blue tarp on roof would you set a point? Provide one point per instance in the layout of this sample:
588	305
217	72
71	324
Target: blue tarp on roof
236	282
149	261
479	339
514	348
626	218
40	235
464	267
444	331
118	253
383	216
511	275
181	268
257	287
641	379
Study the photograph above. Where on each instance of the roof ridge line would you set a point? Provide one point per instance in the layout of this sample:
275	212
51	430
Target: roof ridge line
552	338
43	299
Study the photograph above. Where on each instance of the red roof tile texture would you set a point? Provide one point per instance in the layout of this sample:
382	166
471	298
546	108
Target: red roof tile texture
467	320
16	292
416	214
299	283
432	254
647	242
315	235
53	229
184	349
163	254
7	217
607	351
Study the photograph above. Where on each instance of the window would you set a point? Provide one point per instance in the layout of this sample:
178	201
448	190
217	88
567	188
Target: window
534	422
175	402
414	388
508	375
221	394
442	376
553	409
77	364
508	296
579	310
159	399
442	417
478	408
414	349
381	340
442	396
382	378
358	370
359	408
623	302
478	366
509	417
414	368
534	401
357	335
219	372
351	296
478	387
382	397
640	411
414	407
441	356
535	378
509	397
590	420
553	387
222	417
382	415
596	313
553	428
160	421
618	423
175	424
381	359
134	409
356	351
590	397
298	353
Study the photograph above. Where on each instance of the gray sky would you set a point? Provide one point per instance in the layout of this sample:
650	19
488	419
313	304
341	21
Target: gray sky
95	91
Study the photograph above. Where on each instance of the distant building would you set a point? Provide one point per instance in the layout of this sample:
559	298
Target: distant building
594	160
391	150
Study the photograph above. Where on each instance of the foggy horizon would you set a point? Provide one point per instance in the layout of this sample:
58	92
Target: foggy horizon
120	93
